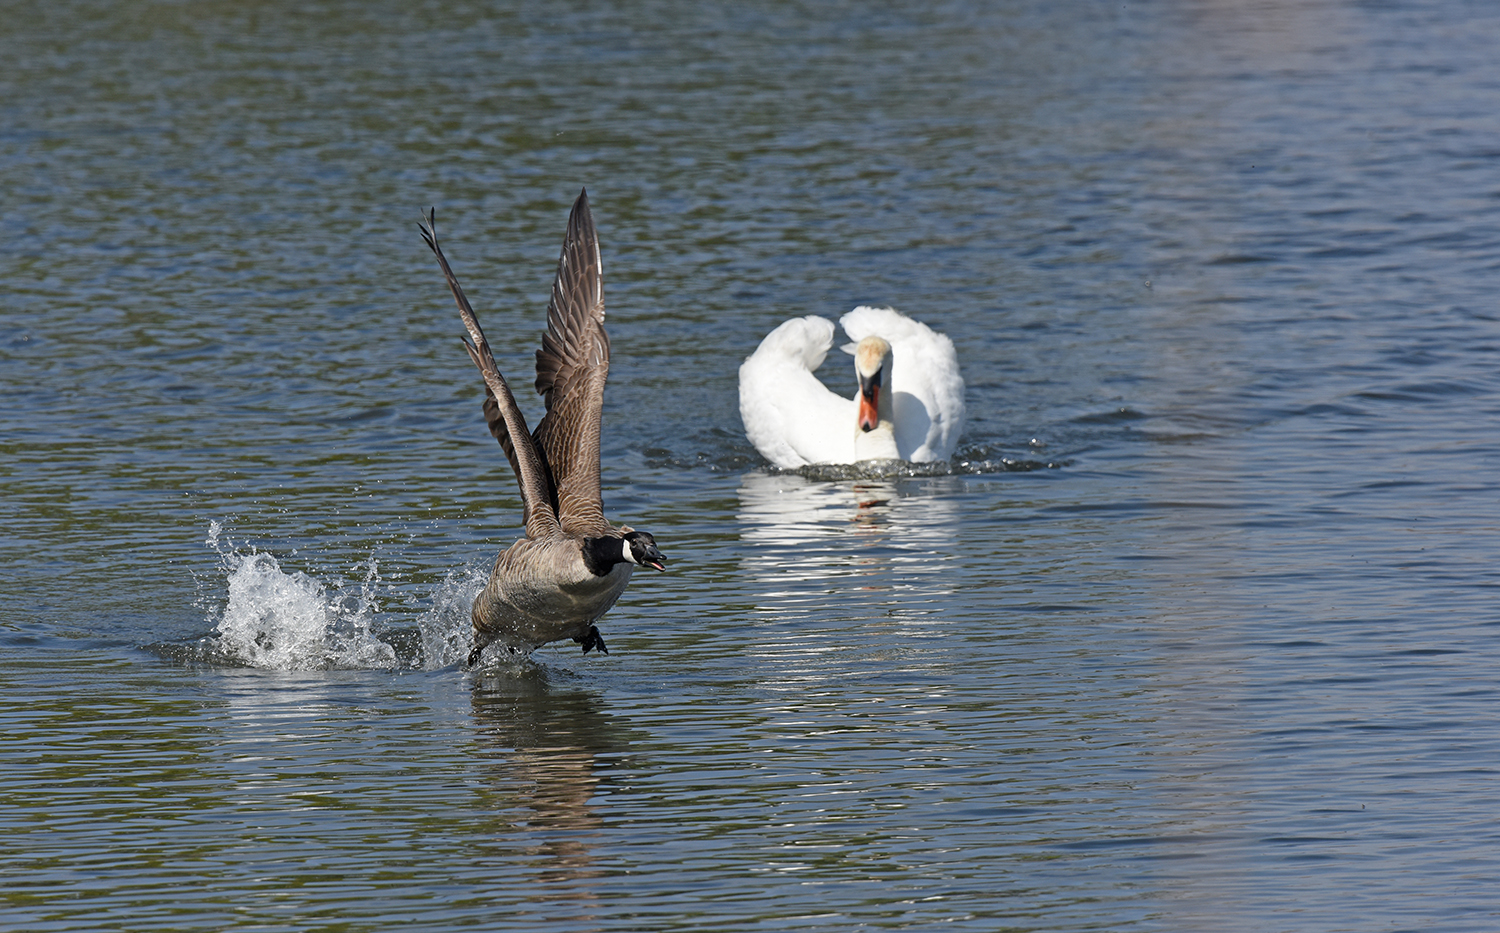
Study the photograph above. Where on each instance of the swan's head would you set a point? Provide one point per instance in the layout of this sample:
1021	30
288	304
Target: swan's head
872	365
640	548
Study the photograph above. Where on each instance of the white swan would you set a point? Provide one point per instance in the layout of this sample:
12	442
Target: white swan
910	404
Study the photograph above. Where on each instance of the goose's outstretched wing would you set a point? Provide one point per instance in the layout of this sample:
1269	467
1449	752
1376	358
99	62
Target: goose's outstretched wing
504	417
571	368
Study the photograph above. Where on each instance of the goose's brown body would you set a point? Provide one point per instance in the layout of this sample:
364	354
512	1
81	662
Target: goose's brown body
540	591
573	564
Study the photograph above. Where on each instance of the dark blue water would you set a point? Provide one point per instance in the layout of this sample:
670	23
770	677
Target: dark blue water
1198	630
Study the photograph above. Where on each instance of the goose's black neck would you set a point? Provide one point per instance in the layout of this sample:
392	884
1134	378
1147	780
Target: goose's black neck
600	555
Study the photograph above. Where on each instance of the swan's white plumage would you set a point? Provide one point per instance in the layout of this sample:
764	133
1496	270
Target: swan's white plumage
785	408
794	420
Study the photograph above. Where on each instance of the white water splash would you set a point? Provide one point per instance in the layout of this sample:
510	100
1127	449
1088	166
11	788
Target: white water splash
291	621
447	628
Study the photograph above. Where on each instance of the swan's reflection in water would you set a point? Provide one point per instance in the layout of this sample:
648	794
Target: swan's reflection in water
874	523
546	743
853	584
877	549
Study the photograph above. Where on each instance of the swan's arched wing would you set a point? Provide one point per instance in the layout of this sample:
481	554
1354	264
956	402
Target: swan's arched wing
505	419
791	417
939	390
571	368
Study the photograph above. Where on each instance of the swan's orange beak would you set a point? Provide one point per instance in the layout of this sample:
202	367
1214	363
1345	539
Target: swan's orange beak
869	403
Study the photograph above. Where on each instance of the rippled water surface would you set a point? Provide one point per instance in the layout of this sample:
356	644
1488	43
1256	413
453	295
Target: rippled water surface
1197	631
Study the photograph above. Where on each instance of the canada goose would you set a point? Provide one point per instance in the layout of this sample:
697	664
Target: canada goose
573	564
910	403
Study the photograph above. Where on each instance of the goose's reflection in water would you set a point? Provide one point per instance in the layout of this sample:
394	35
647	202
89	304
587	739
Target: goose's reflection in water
547	743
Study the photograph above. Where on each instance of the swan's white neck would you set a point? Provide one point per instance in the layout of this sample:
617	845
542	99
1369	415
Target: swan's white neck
878	444
872	369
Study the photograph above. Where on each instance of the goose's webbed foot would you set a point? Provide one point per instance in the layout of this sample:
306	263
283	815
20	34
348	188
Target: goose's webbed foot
591	640
481	641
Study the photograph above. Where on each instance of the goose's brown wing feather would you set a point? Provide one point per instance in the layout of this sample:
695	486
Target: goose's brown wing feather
504	416
495	420
571	368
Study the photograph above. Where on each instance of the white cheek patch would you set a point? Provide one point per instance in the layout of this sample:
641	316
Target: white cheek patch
625	552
